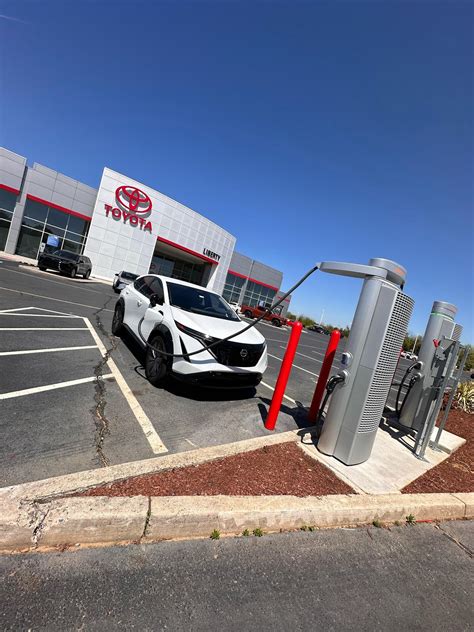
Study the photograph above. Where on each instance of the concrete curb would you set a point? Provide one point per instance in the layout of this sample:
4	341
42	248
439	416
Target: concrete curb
80	481
29	524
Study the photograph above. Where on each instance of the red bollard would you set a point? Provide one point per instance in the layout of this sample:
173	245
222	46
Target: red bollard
296	329
324	374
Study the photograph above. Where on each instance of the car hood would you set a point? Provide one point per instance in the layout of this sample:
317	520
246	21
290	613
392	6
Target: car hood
217	327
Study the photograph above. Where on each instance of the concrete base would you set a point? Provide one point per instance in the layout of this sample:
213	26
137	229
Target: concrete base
392	464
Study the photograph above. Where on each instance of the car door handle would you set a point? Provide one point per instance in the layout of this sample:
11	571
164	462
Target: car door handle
160	312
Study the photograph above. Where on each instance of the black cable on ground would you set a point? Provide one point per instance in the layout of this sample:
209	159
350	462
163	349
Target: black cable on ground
218	342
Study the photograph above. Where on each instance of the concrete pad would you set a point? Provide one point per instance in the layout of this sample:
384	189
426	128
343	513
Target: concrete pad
392	464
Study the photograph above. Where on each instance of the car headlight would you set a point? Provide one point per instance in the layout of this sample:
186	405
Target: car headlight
202	337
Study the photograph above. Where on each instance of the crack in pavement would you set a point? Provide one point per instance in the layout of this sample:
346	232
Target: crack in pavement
147	519
37	520
102	423
462	546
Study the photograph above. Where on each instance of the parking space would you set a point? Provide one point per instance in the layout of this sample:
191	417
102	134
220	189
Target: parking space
64	407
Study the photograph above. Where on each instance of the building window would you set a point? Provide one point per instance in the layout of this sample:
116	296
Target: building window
7	206
232	288
40	221
255	294
178	269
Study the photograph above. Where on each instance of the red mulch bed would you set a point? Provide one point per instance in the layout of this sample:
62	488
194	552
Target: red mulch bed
456	473
272	470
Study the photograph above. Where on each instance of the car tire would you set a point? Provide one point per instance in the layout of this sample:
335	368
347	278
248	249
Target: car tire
276	322
117	320
87	274
156	366
73	273
42	268
248	313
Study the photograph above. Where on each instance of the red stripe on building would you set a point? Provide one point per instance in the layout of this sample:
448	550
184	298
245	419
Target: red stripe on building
243	276
272	287
188	250
5	187
237	274
69	211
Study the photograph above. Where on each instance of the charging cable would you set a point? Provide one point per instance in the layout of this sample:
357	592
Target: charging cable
208	347
412	382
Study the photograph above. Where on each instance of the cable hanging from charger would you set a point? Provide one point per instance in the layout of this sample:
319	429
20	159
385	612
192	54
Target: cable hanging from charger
220	341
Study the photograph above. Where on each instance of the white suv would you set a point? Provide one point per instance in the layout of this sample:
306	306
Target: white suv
180	318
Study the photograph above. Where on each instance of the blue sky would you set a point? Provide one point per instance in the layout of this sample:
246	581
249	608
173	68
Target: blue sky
310	130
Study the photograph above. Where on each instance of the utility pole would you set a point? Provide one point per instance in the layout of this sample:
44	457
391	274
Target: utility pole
322	316
414	344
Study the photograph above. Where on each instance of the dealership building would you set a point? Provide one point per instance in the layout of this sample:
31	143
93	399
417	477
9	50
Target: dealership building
124	225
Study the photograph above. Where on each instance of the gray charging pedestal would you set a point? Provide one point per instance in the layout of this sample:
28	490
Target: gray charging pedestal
440	327
373	347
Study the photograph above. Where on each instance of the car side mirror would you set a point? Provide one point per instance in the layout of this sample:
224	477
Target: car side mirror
155	300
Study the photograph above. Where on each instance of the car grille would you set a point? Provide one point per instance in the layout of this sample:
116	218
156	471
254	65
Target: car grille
235	354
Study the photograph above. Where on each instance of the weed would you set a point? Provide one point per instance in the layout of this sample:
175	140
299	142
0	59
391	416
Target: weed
411	519
304	528
257	532
312	528
245	533
215	535
397	523
377	524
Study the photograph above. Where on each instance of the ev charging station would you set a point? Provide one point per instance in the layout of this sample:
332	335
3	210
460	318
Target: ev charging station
377	333
435	370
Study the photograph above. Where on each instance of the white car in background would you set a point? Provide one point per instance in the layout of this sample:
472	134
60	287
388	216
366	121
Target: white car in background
180	318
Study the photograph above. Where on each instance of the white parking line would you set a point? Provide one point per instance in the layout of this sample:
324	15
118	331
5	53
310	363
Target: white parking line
43	329
152	436
307	356
16	309
50	387
38	315
27	351
272	389
295	365
59	300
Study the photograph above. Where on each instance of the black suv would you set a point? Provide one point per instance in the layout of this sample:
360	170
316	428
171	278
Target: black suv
318	329
65	262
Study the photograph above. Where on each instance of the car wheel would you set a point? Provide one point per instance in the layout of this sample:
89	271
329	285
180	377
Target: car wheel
87	274
276	322
248	313
73	273
117	320
42	268
156	366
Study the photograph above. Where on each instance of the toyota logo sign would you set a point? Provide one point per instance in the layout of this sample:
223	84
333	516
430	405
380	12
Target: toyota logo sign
133	200
133	206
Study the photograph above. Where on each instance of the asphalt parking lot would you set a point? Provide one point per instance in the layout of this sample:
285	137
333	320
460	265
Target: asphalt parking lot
67	408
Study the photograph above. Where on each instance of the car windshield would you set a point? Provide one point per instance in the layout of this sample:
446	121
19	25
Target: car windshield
65	254
198	301
129	276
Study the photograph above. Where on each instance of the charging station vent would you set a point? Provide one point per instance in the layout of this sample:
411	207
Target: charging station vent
387	362
457	332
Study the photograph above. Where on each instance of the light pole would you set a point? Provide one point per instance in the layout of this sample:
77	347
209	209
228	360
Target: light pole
322	316
414	344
